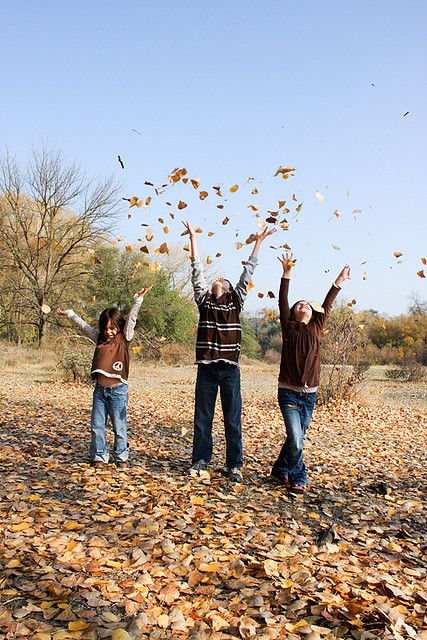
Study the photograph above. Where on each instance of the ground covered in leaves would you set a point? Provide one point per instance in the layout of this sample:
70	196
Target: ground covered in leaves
147	552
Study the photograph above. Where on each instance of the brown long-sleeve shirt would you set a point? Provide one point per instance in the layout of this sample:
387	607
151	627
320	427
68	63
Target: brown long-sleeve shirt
300	361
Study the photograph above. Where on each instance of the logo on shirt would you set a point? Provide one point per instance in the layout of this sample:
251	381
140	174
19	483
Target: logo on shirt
117	366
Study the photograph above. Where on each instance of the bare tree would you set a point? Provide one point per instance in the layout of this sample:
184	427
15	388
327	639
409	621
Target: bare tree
417	306
51	216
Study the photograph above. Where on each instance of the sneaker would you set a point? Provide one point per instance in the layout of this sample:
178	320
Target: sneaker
297	489
280	478
198	467
234	474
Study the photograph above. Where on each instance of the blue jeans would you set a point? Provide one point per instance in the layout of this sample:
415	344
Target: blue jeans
210	377
109	401
297	408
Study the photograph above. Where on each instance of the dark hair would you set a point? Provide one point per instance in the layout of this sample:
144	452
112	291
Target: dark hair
114	316
292	310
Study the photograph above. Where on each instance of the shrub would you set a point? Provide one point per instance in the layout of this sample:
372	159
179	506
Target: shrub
75	365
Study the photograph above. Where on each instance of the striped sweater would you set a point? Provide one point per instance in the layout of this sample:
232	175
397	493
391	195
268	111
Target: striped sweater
219	331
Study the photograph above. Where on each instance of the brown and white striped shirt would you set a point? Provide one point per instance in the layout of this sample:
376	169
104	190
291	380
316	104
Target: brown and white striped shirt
219	330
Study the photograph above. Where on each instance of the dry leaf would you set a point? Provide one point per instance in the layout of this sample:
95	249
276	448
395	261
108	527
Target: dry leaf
421	274
299	207
165	229
226	220
203	195
397	254
336	247
129	248
182	204
260	295
95	260
195	183
337	213
320	197
209	260
234	188
144	249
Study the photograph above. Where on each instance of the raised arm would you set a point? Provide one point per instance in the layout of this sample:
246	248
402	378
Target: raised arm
138	298
89	331
332	294
287	261
249	266
197	277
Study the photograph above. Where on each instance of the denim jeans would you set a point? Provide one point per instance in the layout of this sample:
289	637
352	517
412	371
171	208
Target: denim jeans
109	401
297	408
210	377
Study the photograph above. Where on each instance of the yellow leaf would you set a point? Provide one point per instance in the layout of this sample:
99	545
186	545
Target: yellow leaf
165	229
234	188
129	248
197	500
78	625
114	564
397	254
120	634
249	286
137	350
155	267
149	236
209	260
313	515
163	248
208	567
71	526
22	526
12	564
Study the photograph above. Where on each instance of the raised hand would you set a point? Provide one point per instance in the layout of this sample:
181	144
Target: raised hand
190	229
288	261
143	291
262	235
344	275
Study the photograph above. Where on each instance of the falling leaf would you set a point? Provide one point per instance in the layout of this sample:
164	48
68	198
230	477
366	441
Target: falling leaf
185	180
294	198
238	245
162	249
249	286
252	238
226	220
149	236
357	212
337	213
211	233
287	247
195	183
336	247
176	175
203	195
161	220
405	114
320	197
209	260
121	162
285	172
421	274
271	220
282	203
271	294
45	308
284	225
144	249
137	349
234	188
172	215
129	248
424	261
351	304
299	207
182	204
253	207
186	247
260	295
165	229
397	254
220	206
254	192
292	263
156	266
218	255
365	276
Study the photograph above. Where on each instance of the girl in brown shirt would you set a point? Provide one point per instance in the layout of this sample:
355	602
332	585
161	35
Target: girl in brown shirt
302	326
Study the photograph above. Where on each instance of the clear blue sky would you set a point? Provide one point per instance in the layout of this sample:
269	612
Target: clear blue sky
235	89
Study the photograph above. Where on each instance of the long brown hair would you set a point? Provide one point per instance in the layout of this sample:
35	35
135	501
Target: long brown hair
113	315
